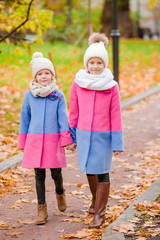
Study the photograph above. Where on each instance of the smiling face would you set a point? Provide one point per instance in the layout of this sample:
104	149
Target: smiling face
95	65
44	77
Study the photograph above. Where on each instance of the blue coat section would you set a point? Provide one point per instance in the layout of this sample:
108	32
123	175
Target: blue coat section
117	141
93	147
73	134
43	115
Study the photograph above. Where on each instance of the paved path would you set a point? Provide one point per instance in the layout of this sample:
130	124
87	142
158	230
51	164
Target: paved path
141	124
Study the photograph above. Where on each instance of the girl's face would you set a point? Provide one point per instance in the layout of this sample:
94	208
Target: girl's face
95	65
44	77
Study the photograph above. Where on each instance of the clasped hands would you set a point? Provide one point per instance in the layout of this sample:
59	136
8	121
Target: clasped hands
71	147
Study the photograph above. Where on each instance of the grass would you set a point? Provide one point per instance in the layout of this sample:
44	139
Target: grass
135	55
137	50
18	56
63	53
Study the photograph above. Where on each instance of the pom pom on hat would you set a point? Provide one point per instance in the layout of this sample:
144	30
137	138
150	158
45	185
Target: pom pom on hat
39	62
98	37
37	55
97	48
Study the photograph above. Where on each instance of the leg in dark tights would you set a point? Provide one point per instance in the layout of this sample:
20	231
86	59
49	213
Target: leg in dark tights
40	175
56	174
101	177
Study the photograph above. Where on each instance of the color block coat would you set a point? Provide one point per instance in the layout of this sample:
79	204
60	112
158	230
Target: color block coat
44	131
96	126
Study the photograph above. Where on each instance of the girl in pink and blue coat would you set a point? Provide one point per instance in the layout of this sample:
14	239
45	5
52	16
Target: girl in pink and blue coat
95	123
44	132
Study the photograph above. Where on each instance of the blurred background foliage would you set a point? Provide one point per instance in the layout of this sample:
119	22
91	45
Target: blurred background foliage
48	20
70	29
27	21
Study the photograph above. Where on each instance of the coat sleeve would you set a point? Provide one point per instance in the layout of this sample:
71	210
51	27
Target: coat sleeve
65	134
116	121
24	122
74	112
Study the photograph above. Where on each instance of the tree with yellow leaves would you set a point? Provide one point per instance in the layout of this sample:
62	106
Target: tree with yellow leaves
21	17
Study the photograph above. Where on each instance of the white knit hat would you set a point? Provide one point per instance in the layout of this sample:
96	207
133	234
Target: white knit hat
97	48
39	62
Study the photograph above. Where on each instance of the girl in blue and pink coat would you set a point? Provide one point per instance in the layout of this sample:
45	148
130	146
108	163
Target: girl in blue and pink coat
44	132
95	122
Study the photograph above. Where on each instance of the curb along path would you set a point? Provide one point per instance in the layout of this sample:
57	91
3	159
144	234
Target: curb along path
149	195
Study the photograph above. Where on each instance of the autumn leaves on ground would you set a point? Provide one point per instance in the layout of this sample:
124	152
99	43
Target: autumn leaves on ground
139	71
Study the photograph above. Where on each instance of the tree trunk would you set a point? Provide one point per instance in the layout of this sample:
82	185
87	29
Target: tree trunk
68	13
125	24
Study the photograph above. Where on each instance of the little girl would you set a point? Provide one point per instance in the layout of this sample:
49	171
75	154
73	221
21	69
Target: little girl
95	123
44	131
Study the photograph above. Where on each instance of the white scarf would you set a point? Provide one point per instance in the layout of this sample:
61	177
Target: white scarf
42	91
98	82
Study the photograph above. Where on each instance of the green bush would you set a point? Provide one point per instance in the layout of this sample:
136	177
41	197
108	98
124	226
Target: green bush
78	26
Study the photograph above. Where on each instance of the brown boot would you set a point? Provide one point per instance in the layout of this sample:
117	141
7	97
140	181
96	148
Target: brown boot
42	214
61	201
92	181
101	201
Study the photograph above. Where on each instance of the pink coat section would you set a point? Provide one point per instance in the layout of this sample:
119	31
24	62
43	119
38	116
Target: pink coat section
97	111
52	155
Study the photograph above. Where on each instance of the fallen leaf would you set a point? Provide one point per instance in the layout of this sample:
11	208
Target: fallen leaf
14	234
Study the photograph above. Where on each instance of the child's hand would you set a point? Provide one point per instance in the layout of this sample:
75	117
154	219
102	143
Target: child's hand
115	153
71	147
